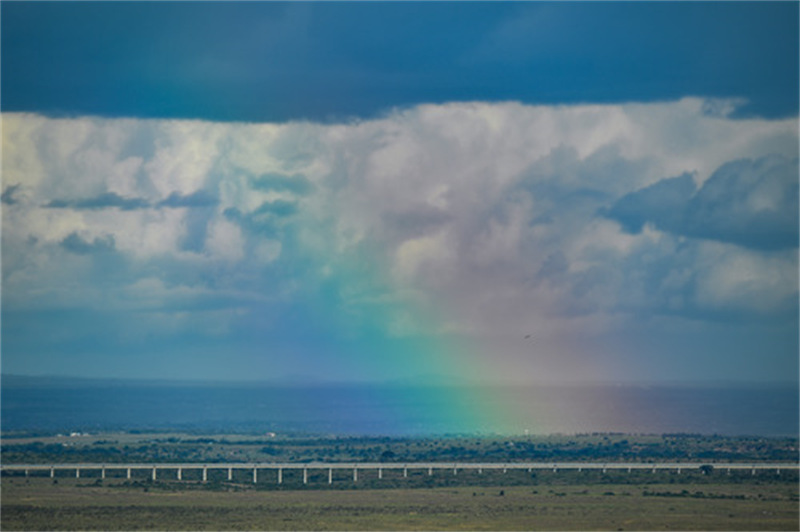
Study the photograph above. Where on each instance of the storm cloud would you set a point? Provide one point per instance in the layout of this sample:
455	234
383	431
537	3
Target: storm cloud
105	200
76	244
586	226
751	203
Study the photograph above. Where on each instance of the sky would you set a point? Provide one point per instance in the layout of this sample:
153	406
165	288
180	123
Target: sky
411	192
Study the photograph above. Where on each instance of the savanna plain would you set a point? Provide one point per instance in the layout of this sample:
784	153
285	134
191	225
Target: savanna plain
708	499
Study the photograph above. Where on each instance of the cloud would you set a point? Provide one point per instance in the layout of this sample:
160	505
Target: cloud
101	201
296	184
751	203
663	201
201	198
579	224
8	196
277	208
80	246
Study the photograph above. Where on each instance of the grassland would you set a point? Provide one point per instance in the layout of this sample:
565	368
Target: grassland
183	447
491	500
38	504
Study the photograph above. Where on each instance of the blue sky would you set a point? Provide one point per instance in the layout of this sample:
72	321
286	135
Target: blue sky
255	61
499	191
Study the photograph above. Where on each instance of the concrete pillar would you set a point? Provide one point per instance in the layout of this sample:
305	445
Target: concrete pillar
753	472
280	475
205	474
355	474
230	474
604	470
679	470
480	470
505	469
180	474
154	473
405	472
455	471
380	472
654	470
579	469
305	476
430	471
330	475
78	472
128	475
52	473
629	470
779	471
27	472
255	474
103	472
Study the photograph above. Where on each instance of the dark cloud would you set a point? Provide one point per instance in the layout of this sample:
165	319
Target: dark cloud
76	244
102	201
264	221
279	208
751	203
296	184
8	194
662	203
416	221
200	198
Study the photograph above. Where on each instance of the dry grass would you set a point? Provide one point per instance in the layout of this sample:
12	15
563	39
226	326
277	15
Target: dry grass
38	504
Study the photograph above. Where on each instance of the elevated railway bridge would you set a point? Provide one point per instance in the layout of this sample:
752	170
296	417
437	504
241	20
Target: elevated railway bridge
274	471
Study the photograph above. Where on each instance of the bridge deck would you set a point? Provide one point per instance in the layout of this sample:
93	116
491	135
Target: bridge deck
404	465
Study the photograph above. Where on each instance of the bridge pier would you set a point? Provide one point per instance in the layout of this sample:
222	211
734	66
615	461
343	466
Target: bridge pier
380	473
180	474
103	472
77	472
330	475
255	474
355	474
305	475
154	473
205	474
405	472
52	472
280	475
430	471
230	474
128	474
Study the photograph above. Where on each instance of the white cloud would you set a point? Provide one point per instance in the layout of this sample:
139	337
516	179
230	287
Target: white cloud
487	212
225	240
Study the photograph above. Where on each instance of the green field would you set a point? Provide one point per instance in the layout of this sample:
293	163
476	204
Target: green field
39	504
